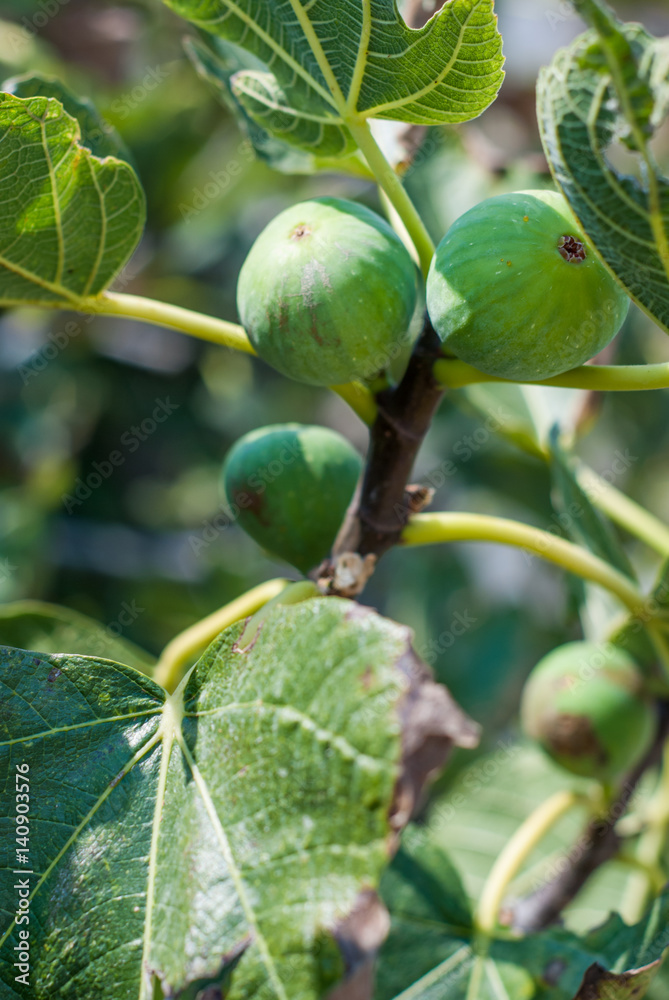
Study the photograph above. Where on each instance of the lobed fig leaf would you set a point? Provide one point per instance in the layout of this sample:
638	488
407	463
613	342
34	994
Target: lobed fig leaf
321	67
584	704
516	289
608	87
292	485
218	841
69	221
328	292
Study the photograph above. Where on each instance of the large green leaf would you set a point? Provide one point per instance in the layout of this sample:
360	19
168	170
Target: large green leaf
68	220
613	84
430	952
328	63
50	628
239	820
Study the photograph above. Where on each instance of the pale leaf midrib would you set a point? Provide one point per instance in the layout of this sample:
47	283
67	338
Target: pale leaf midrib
235	874
361	58
314	41
167	741
102	238
56	206
496	984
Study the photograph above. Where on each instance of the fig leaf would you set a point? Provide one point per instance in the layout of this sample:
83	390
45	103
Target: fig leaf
96	134
69	221
226	835
217	61
324	64
612	85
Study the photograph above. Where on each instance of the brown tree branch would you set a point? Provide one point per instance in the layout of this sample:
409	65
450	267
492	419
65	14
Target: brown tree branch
600	843
382	506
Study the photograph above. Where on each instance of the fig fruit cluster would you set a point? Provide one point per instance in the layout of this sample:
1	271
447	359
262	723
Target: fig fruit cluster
585	705
292	485
328	291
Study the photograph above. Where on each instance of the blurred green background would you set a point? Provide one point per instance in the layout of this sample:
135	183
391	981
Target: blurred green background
138	552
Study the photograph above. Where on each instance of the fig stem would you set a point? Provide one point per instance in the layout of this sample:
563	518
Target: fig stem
430	529
383	502
390	182
209	328
516	852
216	331
509	862
454	374
187	645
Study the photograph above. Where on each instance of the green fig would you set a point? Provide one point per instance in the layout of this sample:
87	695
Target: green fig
292	485
327	293
516	289
584	704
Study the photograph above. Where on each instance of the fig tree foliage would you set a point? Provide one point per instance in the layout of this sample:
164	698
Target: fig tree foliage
234	818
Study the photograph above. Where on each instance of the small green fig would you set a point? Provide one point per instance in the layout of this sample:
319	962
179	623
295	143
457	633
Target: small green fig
327	293
516	289
584	704
291	485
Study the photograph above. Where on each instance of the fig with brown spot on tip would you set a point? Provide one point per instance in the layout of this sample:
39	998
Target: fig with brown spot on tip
584	704
328	293
553	307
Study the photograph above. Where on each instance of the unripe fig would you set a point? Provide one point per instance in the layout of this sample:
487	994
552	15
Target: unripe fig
584	704
291	485
327	293
516	289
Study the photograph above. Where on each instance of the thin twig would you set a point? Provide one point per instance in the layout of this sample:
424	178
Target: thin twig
599	844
